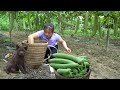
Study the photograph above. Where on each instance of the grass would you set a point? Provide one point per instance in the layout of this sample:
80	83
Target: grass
2	49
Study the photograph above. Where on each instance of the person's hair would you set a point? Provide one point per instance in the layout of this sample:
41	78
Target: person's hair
49	26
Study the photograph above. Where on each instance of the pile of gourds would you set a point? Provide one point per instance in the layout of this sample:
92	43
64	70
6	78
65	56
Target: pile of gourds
70	66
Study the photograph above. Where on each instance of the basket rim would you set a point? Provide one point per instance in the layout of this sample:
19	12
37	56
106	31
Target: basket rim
34	44
87	74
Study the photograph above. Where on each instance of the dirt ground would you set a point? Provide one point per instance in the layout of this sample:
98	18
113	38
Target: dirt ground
104	64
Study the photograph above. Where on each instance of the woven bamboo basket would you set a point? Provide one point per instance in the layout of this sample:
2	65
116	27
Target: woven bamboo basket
86	76
35	53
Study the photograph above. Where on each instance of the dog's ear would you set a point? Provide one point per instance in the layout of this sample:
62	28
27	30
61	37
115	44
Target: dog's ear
17	46
25	47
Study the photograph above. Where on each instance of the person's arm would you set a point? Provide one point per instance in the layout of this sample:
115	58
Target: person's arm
31	37
65	45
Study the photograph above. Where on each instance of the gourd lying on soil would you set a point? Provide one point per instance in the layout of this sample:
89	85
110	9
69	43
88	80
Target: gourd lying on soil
69	65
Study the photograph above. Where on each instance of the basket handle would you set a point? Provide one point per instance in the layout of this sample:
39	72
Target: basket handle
50	51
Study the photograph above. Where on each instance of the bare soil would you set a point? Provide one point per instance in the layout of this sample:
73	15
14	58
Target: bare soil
104	64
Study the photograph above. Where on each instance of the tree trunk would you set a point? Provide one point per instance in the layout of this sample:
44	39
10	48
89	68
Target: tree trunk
107	39
77	25
12	16
59	24
48	18
16	25
99	30
24	24
36	20
16	22
95	24
29	23
86	22
115	26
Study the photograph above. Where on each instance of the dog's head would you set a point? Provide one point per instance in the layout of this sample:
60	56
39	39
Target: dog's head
21	50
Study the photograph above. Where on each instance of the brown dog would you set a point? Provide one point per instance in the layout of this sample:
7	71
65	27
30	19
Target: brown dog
17	62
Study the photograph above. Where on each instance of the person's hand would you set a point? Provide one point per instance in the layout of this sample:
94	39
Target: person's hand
68	50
